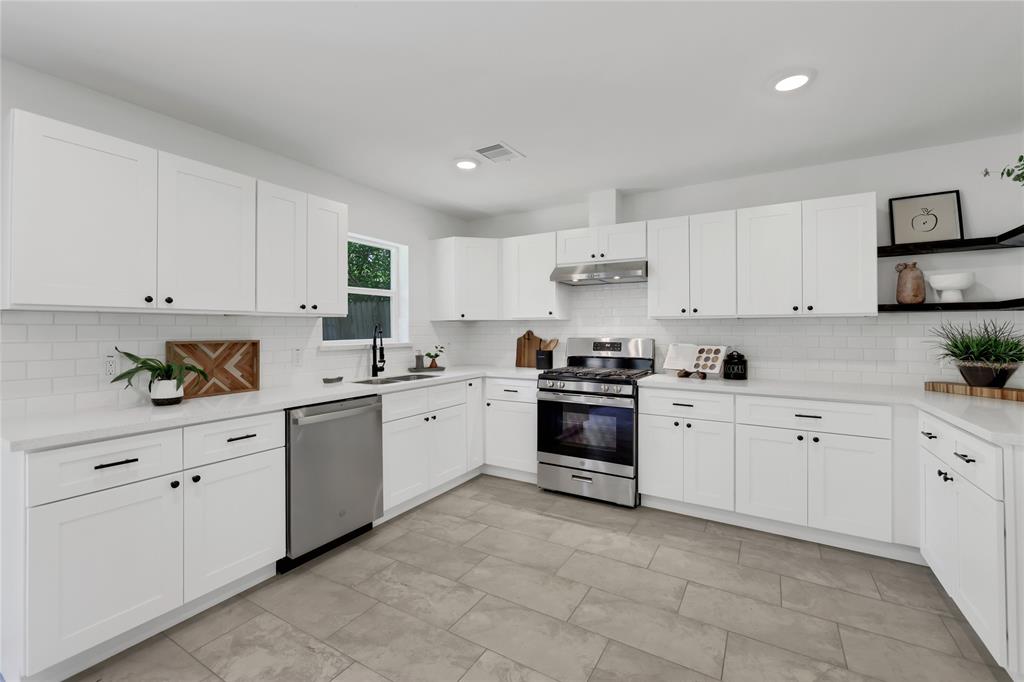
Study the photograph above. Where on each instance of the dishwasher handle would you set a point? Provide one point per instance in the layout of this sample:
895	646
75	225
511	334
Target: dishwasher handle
331	416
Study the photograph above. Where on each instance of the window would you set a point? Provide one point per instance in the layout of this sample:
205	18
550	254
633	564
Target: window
375	270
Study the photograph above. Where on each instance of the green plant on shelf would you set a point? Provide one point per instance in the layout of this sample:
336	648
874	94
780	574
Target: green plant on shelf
1014	172
436	353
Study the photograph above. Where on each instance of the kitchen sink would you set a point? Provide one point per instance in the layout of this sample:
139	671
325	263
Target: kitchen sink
410	377
392	380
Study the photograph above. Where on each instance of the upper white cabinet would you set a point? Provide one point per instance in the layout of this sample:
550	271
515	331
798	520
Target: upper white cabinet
302	252
840	255
624	241
207	238
527	291
83	227
466	271
768	260
692	266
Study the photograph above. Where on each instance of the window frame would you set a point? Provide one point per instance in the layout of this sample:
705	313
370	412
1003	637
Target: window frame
398	293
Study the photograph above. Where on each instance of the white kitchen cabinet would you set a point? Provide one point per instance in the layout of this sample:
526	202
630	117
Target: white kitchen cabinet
527	291
623	241
206	243
939	532
668	269
100	564
708	463
234	519
850	485
82	229
840	255
510	429
660	450
280	249
474	423
447	445
769	260
713	264
327	257
466	272
406	460
771	473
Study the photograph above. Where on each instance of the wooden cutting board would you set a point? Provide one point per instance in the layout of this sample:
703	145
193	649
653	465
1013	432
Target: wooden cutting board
952	388
233	366
527	346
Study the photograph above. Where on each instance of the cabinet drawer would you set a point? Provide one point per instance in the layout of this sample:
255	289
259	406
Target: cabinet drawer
208	443
978	461
516	390
446	395
417	401
853	419
79	469
693	404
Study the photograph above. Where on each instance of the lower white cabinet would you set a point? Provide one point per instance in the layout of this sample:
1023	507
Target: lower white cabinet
511	434
687	460
100	564
474	423
850	485
771	473
422	452
660	456
234	520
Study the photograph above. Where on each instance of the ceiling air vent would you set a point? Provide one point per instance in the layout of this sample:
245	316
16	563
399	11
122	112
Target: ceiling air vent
499	153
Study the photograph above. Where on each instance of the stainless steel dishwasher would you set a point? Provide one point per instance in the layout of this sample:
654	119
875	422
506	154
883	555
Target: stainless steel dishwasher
335	474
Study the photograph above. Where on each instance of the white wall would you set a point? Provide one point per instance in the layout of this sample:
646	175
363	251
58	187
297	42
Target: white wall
51	361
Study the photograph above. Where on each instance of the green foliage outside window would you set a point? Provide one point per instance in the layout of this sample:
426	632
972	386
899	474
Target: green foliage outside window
369	266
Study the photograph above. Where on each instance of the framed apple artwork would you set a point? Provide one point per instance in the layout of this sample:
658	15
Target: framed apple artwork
924	218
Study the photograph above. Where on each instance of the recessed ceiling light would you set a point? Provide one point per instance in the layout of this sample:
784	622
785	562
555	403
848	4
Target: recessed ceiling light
789	83
465	164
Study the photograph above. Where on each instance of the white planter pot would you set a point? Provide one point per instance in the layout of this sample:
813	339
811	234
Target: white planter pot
166	392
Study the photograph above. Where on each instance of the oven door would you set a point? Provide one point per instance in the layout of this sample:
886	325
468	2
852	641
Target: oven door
591	432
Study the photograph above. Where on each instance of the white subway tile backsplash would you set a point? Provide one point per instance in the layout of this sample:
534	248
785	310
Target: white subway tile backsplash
27	388
74	350
39	369
26	351
51	332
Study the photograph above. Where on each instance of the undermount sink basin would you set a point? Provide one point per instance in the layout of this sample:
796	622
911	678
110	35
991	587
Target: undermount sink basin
392	380
410	377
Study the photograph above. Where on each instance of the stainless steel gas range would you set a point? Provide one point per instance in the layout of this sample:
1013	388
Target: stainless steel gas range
587	419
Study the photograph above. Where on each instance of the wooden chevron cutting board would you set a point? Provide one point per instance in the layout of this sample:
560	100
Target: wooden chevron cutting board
233	366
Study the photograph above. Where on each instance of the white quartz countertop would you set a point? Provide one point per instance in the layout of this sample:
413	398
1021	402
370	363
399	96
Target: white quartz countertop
999	421
51	431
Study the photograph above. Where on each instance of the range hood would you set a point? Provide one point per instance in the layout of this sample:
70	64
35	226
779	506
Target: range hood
622	272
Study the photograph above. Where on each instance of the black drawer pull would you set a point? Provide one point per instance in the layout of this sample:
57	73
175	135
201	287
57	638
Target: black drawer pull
808	416
245	437
965	458
511	390
929	435
116	464
682	405
943	475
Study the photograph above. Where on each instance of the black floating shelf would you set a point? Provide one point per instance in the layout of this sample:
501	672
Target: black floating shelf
1010	304
1007	240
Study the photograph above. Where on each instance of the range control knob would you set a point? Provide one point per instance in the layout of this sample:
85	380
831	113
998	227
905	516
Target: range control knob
549	384
605	387
561	384
618	389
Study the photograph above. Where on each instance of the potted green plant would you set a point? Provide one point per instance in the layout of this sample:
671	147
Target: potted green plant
986	354
166	379
434	355
1014	172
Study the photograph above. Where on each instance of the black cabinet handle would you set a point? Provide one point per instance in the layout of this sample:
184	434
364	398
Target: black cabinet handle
810	307
302	306
196	478
799	437
245	437
511	390
682	310
593	255
426	419
550	313
148	299
682	405
689	426
965	458
602	255
694	310
175	484
815	439
675	423
929	435
796	307
434	417
943	475
470	383
808	416
313	306
168	300
462	314
488	404
116	464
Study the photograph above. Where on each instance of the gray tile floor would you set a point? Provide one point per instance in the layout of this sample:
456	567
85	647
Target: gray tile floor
498	581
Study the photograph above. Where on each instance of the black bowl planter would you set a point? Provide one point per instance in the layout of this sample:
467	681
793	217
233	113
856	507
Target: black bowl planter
986	375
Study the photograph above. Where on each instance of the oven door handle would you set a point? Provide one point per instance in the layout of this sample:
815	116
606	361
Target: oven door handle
598	400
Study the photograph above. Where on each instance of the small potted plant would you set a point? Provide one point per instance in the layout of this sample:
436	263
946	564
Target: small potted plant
986	354
434	355
166	379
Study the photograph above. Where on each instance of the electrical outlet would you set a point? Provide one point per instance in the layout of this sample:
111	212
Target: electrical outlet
297	357
109	366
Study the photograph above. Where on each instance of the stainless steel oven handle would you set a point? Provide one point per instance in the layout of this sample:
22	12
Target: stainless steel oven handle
598	400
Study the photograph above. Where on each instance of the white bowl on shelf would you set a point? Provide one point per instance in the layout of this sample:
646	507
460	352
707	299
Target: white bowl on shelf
950	285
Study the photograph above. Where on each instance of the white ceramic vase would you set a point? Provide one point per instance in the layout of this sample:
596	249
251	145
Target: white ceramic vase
166	392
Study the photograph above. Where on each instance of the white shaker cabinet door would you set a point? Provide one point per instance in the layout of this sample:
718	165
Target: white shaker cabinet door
623	241
771	473
939	535
407	451
474	423
713	264
82	229
526	288
708	463
768	260
668	270
850	485
207	237
280	249
580	245
660	461
511	434
448	458
477	266
99	565
234	519
840	255
327	249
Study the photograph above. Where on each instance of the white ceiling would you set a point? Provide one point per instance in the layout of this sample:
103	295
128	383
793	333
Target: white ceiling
596	95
